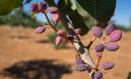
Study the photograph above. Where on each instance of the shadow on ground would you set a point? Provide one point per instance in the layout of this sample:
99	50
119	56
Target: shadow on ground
64	46
38	69
43	41
21	37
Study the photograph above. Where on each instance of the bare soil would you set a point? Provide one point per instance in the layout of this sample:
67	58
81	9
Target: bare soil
26	55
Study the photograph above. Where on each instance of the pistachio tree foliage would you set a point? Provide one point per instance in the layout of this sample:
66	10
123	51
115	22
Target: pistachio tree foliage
69	13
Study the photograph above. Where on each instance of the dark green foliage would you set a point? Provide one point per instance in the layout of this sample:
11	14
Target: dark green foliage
101	10
89	20
52	37
60	26
50	2
6	6
78	22
129	75
123	27
2	20
75	17
19	18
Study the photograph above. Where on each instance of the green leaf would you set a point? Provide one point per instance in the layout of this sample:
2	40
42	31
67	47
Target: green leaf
75	17
78	22
6	6
50	2
101	10
64	7
129	75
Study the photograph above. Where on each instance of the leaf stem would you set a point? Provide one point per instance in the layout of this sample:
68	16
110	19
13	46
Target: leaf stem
78	45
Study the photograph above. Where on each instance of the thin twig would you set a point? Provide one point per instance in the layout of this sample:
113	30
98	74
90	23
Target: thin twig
91	42
100	53
99	59
50	22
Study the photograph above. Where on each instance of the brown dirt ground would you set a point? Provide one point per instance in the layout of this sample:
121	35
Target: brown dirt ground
35	49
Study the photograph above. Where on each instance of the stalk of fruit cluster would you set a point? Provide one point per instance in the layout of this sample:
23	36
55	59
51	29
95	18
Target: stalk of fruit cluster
83	52
78	45
99	59
76	42
99	54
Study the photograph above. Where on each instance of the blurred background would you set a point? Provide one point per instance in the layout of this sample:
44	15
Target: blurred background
26	55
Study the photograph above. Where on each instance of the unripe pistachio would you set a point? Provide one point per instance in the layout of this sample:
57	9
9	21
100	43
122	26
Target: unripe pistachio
107	65
58	40
43	7
35	8
97	31
99	47
98	75
115	35
109	29
40	29
61	33
111	46
56	17
52	10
